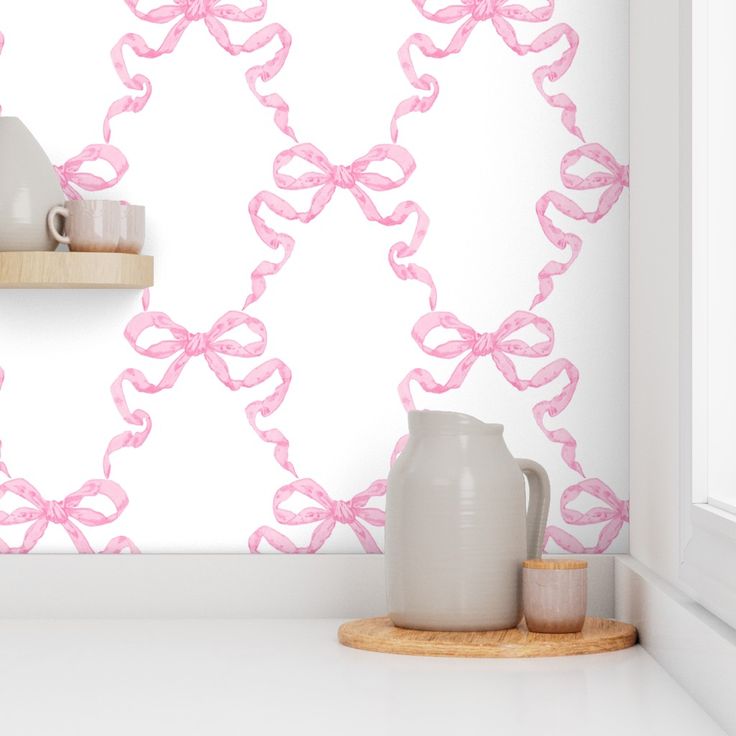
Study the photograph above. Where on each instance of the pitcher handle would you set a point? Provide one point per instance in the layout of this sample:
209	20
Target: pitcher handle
536	515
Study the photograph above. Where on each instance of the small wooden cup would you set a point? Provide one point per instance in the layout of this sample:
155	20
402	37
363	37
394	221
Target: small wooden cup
555	595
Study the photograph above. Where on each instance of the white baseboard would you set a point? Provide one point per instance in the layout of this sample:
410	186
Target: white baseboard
695	647
216	586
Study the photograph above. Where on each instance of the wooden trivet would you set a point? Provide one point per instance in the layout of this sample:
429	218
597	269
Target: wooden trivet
380	635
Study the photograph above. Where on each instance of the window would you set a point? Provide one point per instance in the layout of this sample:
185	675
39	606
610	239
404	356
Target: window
709	531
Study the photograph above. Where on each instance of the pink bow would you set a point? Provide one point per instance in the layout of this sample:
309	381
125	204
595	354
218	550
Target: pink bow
328	514
187	345
69	173
613	181
186	12
502	347
41	513
614	515
328	177
212	346
499	13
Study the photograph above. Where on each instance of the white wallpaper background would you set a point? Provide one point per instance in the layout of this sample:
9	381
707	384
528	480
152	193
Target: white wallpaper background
336	314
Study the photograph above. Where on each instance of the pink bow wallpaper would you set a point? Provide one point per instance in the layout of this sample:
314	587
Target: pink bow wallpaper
356	209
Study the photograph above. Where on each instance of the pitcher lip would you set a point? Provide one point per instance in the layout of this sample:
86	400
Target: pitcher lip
450	422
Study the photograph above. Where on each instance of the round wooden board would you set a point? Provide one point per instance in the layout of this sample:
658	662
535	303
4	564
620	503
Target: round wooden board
380	635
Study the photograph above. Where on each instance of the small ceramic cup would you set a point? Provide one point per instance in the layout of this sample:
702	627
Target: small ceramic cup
132	228
91	225
555	595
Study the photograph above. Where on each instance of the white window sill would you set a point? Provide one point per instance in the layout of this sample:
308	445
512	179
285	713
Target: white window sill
695	647
704	569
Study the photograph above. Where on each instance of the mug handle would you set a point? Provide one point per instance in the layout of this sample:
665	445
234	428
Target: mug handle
536	515
51	220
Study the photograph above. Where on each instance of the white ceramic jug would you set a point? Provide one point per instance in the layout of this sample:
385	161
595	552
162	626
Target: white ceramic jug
29	188
457	526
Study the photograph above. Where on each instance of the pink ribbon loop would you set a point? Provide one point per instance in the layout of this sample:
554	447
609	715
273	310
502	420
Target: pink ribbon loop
613	180
119	545
502	346
70	175
41	513
327	178
212	13
354	513
614	514
213	346
499	13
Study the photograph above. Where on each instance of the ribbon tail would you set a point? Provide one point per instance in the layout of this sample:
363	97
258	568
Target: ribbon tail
32	536
564	540
556	70
608	535
280	542
569	543
267	406
410	271
274	240
551	72
428	383
399	447
425	82
69	191
365	538
266	72
320	535
561	240
556	405
138	417
137	82
400	214
78	539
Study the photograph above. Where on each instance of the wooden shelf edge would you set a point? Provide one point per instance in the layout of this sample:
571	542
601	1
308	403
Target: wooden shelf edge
53	270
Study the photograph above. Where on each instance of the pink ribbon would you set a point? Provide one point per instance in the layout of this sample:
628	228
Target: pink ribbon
119	545
502	347
614	515
328	177
327	515
212	346
499	12
70	175
41	513
613	181
184	13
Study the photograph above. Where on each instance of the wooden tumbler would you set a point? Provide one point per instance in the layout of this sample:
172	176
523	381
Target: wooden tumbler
555	595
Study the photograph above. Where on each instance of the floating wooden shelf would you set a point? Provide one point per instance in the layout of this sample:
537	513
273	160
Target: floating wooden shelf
380	635
52	270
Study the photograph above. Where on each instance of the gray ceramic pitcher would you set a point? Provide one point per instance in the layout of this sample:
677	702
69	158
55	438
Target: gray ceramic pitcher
457	526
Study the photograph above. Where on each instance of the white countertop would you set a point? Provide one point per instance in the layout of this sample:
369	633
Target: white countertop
291	677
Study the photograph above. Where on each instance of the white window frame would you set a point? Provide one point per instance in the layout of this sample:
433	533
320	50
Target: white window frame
707	533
